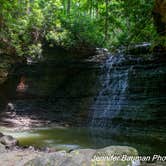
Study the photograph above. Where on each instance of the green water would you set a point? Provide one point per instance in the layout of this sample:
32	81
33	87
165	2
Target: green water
58	138
64	138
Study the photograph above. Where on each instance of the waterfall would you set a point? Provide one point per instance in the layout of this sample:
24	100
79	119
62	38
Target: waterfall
112	96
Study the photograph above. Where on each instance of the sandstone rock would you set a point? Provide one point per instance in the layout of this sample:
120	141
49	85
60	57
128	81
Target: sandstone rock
83	156
10	107
51	159
119	150
18	157
2	148
86	157
1	135
8	141
113	155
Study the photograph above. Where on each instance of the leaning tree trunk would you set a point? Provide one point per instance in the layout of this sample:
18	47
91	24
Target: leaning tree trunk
68	7
106	21
159	14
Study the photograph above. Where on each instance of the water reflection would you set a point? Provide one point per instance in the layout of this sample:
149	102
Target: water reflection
72	138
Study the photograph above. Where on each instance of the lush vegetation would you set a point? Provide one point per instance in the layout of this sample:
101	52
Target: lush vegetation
25	25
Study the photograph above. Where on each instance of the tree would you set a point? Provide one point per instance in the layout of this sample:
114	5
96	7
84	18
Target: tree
26	24
106	20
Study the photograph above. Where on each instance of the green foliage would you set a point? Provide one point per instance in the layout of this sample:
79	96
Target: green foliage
26	24
159	41
19	22
35	50
58	38
82	30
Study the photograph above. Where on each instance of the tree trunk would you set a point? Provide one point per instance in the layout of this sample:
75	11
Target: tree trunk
159	15
27	7
97	9
106	21
90	7
68	6
64	6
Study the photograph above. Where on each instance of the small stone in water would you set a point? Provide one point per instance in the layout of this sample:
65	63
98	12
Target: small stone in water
10	107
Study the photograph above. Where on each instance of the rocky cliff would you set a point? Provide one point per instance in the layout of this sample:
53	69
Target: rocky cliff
132	92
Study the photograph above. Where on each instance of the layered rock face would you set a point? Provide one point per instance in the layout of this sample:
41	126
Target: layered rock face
132	93
146	94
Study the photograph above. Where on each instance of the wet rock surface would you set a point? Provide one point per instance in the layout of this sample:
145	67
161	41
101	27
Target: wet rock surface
132	100
83	157
137	49
79	157
133	92
8	141
101	54
2	148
